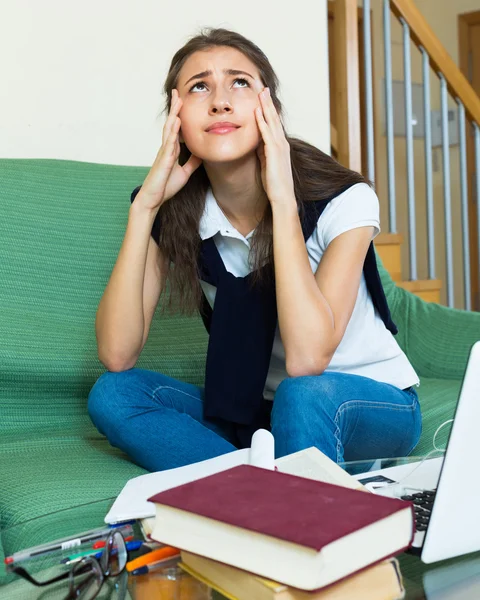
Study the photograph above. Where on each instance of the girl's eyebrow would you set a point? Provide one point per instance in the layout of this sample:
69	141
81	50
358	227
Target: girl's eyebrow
226	71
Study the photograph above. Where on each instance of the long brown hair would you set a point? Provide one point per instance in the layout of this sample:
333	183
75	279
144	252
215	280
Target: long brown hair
316	176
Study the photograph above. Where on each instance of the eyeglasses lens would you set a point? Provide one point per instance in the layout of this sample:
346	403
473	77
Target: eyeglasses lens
86	583
117	555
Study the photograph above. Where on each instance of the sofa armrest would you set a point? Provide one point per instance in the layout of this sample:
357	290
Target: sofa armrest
439	338
436	339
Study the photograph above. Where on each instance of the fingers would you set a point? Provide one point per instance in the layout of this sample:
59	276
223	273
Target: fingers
262	124
268	107
268	118
172	139
192	164
176	105
261	154
174	110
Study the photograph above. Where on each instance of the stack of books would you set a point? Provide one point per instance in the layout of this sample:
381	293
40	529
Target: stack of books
255	533
380	582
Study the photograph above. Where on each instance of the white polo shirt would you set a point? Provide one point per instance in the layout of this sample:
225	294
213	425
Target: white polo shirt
367	348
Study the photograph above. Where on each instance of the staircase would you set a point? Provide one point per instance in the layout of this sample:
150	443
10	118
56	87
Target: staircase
388	247
356	141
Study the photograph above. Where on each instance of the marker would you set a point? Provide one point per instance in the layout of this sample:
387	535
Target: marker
166	562
66	543
76	557
151	557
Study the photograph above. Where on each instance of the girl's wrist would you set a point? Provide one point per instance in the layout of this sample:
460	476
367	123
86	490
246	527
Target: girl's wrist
139	208
285	207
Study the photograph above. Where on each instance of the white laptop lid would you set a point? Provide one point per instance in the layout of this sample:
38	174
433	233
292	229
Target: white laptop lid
454	527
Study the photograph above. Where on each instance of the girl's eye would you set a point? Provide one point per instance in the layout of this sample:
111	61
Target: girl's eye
195	85
234	81
243	80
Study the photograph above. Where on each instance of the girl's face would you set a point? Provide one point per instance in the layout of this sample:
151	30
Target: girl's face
219	96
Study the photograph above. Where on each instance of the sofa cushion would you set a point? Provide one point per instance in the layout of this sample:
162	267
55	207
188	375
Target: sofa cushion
438	400
51	478
437	339
62	226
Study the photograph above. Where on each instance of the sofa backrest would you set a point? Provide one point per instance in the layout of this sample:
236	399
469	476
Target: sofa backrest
62	224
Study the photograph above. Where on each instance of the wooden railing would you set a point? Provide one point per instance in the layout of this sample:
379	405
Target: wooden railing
355	142
423	36
346	64
348	141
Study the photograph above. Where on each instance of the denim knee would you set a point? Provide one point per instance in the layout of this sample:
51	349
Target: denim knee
301	398
115	395
103	399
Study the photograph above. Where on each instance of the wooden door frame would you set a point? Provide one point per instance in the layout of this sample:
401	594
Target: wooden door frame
465	21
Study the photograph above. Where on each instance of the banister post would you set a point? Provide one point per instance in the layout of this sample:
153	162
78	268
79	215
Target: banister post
348	85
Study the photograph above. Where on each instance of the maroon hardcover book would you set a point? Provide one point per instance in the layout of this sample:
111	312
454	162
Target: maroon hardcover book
299	510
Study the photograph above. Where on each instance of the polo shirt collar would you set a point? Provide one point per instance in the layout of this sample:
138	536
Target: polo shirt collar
214	221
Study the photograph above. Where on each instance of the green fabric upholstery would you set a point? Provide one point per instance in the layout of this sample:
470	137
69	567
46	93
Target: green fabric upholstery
438	399
61	229
437	341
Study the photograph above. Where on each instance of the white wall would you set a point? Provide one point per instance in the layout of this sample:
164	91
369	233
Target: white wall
83	81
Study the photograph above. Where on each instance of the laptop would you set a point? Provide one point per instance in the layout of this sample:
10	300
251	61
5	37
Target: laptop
445	490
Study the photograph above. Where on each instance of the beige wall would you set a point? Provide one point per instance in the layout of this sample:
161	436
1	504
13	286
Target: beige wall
83	80
442	15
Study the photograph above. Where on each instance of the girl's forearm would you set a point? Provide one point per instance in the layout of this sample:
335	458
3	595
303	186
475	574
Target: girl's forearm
119	322
305	319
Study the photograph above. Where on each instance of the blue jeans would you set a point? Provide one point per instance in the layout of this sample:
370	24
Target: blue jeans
158	421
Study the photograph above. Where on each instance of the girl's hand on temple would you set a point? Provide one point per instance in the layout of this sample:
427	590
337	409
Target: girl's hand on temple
167	177
274	153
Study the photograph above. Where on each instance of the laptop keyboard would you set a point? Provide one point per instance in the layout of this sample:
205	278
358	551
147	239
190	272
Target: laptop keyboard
423	504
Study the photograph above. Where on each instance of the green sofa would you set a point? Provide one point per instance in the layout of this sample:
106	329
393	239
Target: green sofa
62	224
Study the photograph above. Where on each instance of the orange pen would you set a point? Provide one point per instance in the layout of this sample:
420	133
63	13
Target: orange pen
151	557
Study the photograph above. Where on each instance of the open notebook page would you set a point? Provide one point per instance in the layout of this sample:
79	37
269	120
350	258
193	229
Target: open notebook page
132	501
313	464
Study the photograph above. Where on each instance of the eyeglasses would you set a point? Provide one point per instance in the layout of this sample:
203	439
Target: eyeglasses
86	577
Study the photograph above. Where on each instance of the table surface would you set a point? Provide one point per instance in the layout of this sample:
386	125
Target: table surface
457	578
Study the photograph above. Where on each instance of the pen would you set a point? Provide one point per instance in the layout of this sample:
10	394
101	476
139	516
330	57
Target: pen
76	557
151	557
101	544
135	545
65	543
166	562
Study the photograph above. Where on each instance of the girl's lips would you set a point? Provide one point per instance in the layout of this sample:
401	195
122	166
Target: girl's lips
223	130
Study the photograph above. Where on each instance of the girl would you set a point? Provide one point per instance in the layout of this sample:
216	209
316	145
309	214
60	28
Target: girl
279	235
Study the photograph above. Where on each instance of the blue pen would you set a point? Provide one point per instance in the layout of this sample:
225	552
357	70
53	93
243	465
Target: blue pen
121	523
134	545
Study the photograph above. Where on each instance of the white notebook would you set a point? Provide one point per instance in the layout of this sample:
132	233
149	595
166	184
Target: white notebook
311	463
